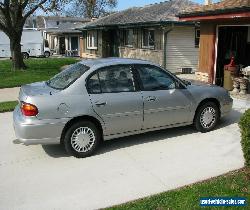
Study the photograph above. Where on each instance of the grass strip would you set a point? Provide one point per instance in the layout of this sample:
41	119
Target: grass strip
8	106
233	184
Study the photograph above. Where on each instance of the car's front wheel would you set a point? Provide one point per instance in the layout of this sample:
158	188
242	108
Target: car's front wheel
206	117
82	139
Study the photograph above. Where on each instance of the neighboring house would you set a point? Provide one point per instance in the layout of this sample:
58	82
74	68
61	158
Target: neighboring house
152	33
60	32
30	23
225	32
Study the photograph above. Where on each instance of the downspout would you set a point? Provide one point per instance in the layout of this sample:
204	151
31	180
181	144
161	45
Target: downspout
165	45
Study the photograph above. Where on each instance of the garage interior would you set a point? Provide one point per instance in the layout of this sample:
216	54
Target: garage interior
233	48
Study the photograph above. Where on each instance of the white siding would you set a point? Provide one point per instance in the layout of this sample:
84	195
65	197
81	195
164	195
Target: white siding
181	51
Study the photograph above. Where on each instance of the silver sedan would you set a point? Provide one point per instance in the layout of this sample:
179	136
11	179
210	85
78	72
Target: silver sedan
103	99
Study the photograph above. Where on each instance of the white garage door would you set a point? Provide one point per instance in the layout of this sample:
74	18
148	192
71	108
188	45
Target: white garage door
181	50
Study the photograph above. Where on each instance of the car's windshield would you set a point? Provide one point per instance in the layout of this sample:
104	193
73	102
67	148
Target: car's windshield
67	77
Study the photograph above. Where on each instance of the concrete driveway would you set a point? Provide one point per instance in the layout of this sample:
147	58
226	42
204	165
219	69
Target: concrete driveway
44	177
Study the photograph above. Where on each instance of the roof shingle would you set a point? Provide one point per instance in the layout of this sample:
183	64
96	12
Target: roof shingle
223	6
160	12
60	24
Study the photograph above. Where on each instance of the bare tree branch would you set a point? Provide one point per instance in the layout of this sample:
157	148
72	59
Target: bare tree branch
3	28
90	8
25	3
31	11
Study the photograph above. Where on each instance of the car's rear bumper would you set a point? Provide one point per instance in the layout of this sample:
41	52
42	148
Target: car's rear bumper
30	130
226	107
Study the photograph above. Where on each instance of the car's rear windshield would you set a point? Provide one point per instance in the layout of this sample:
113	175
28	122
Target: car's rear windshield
67	77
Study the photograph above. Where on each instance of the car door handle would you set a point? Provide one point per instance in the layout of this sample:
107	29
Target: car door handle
100	103
151	98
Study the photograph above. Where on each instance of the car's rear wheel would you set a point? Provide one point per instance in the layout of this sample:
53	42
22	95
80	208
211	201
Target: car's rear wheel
207	116
82	139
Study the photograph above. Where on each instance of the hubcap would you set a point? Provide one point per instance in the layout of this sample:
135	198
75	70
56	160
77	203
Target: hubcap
208	117
82	139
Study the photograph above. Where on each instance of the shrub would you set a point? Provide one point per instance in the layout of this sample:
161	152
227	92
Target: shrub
245	136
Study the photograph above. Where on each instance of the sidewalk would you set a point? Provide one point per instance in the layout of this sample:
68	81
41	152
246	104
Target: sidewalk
9	94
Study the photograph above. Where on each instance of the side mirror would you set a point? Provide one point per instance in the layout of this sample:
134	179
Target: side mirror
187	82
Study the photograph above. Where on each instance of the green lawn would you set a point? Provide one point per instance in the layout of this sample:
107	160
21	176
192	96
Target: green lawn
7	106
39	69
236	183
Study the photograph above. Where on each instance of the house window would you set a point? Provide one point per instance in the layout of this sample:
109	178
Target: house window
127	37
197	37
148	38
92	40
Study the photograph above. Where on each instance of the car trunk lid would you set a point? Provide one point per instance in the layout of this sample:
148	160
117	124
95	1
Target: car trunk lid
35	89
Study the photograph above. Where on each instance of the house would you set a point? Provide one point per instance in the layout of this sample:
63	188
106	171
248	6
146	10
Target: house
152	33
224	33
60	33
30	23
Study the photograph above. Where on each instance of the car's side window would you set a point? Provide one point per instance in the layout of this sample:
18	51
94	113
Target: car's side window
116	79
154	78
94	84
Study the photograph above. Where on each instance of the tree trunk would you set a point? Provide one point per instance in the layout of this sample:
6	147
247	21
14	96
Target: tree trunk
16	53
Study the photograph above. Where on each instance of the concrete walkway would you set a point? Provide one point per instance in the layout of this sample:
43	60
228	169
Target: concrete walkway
9	94
44	177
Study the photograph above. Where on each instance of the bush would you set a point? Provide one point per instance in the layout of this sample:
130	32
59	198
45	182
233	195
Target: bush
245	136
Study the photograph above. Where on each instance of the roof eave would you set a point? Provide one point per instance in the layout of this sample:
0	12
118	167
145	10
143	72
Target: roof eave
138	24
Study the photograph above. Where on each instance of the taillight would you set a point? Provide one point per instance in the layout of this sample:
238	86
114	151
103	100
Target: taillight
29	109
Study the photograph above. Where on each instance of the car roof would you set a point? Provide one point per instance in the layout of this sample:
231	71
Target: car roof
102	62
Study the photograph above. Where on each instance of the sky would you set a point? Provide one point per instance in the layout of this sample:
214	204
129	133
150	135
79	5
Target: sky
124	4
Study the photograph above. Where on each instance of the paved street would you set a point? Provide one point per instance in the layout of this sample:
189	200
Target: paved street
44	177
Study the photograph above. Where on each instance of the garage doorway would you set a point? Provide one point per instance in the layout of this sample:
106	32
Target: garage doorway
232	41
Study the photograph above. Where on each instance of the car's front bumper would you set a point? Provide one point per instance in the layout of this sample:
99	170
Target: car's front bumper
30	130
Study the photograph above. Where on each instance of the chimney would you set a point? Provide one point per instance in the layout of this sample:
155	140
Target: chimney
207	2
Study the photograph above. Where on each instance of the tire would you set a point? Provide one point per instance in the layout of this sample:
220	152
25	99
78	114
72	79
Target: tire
82	139
46	54
25	55
206	117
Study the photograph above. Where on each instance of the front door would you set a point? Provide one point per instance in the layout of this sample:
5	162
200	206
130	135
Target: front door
164	103
74	44
110	43
114	99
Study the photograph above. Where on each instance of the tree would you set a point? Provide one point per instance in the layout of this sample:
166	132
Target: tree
13	14
90	8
